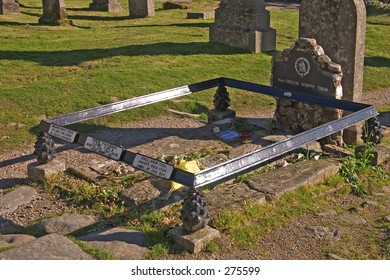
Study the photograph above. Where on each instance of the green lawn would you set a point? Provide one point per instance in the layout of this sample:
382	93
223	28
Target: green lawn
46	71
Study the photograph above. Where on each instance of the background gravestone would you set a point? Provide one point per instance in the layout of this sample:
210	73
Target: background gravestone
8	7
339	26
305	68
111	6
141	8
243	24
54	12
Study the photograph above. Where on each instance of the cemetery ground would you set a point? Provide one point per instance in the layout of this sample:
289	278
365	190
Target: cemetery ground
46	71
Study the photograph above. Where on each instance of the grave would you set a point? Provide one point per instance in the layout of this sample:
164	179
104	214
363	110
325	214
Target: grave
305	68
9	7
54	12
112	6
201	15
243	24
141	8
339	27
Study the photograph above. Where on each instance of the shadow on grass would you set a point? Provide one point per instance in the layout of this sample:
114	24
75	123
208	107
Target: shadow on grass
377	61
75	57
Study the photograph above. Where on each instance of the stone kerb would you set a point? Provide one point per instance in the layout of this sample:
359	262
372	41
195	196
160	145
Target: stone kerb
112	6
305	68
9	7
141	8
243	24
339	27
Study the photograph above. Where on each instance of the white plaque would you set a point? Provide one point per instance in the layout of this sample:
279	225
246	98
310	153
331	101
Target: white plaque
62	133
103	148
153	166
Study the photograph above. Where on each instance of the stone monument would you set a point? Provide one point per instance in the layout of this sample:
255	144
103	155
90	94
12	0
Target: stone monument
243	24
141	8
8	7
54	12
339	27
305	68
111	6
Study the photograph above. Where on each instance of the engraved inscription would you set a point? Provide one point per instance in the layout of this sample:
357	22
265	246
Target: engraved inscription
153	166
103	148
62	133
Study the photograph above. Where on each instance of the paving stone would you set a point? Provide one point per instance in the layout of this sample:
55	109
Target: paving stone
140	193
324	232
380	153
48	247
117	234
65	223
242	150
39	171
293	176
353	219
327	213
121	250
201	15
230	198
194	242
15	239
12	200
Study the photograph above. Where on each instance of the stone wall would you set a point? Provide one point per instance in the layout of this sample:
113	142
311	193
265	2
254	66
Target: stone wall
305	68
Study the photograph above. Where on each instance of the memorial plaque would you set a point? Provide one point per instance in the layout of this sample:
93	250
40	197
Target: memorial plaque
153	166
103	148
62	133
301	73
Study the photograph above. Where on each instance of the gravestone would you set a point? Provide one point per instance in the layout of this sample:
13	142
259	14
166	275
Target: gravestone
339	27
305	68
8	7
111	6
243	24
141	8
54	12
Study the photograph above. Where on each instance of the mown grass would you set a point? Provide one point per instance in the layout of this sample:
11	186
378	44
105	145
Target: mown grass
46	71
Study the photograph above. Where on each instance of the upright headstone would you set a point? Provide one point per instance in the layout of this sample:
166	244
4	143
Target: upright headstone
339	26
54	12
8	7
243	24
111	6
141	8
305	68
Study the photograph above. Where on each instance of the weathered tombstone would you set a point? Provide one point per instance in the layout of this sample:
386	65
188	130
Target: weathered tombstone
305	68
8	7
243	24
111	6
141	8
339	27
54	12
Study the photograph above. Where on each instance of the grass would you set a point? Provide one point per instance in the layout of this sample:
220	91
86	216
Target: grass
46	71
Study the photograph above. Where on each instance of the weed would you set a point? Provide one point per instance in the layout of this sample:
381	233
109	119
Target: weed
212	247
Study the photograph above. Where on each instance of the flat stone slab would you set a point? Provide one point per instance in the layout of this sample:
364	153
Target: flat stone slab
229	198
48	247
353	219
327	213
121	250
117	234
276	182
12	200
15	239
39	171
201	15
66	223
194	242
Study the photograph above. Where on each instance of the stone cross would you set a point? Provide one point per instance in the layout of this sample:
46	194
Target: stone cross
141	8
112	6
8	7
339	27
243	24
54	12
